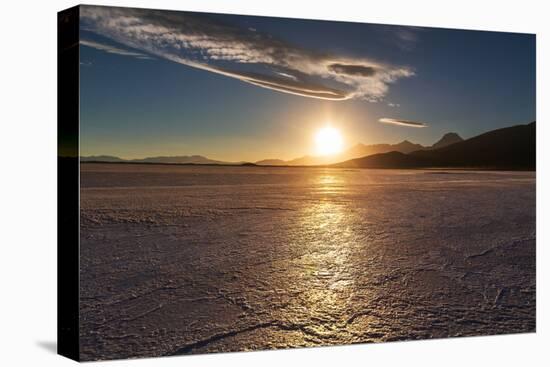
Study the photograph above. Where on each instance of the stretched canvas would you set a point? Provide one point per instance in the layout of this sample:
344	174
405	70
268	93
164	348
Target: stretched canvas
233	183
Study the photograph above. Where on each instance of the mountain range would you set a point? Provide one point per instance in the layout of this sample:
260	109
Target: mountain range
362	150
506	148
511	148
359	150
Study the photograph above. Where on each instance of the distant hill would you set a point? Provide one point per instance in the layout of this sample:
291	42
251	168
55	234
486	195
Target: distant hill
271	162
508	148
100	158
185	159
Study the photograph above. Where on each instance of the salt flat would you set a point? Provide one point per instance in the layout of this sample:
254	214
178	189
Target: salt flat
193	259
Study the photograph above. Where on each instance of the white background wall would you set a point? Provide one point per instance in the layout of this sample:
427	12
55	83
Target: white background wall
28	181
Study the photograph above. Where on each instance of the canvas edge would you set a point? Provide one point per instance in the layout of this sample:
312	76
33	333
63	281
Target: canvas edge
68	211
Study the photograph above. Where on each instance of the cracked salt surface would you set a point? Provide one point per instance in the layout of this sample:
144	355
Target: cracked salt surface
183	259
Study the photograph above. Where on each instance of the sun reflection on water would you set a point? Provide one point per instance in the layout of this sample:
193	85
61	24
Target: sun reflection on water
325	271
325	267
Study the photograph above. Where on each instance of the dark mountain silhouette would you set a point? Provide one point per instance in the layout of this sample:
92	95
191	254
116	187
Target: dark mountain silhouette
360	150
447	139
406	147
384	160
508	148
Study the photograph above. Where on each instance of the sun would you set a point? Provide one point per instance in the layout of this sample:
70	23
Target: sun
328	140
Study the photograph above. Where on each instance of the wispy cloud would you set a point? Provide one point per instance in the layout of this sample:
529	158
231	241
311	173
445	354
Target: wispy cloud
408	123
407	37
112	49
242	53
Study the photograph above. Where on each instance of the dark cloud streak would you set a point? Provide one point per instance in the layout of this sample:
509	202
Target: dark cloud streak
359	70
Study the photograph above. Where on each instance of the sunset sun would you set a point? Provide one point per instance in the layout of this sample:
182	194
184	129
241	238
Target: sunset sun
328	140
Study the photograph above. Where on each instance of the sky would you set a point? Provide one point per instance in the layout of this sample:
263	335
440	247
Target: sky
242	88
